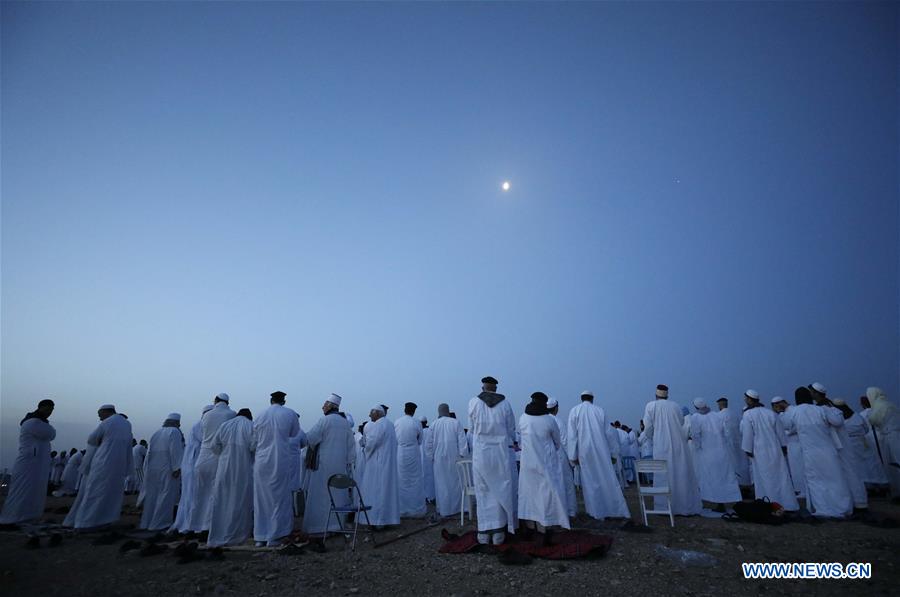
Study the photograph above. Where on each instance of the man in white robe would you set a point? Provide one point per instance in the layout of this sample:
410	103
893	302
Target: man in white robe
795	452
70	474
409	463
567	474
765	443
231	506
331	440
427	464
885	419
138	453
99	500
739	460
28	483
273	510
59	465
663	424
493	428
380	482
542	499
827	493
850	457
590	440
188	462
162	475
718	481
208	462
444	446
872	470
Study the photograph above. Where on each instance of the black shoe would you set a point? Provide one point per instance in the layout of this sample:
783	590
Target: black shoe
33	542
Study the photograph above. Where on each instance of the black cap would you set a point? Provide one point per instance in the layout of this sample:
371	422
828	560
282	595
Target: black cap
722	399
385	407
410	405
539	397
278	394
489	380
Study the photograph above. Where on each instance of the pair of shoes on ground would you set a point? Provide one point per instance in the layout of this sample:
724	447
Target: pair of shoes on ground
494	538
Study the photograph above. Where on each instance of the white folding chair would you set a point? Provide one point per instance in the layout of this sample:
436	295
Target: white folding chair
467	483
652	491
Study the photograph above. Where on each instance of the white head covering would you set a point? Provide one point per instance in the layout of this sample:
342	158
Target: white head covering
587	393
752	394
334	399
778	399
350	420
881	406
206	409
819	388
699	403
107	407
173	417
423	419
379	408
223	396
552	403
838	402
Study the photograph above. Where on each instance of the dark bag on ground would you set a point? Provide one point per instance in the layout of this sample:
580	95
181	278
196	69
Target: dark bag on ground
759	511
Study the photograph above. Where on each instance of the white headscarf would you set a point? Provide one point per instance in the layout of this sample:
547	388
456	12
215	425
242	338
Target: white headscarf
881	406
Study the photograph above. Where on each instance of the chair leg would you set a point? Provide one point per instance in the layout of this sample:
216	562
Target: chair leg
325	532
355	529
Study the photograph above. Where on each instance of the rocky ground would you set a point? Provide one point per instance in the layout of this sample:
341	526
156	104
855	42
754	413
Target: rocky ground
413	565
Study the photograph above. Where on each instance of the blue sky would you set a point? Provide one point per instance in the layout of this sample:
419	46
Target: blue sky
205	197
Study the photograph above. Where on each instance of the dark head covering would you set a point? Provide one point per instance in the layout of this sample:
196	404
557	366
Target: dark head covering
802	395
278	395
538	405
722	399
489	380
245	412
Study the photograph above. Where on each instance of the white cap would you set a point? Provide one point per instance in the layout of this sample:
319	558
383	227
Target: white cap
819	388
379	408
552	403
334	399
838	402
699	403
206	409
173	417
423	419
777	399
587	393
752	394
223	397
107	407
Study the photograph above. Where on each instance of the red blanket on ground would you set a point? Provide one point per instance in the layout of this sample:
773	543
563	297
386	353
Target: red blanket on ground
564	545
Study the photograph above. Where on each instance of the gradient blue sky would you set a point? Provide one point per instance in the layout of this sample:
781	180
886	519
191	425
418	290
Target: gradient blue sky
238	197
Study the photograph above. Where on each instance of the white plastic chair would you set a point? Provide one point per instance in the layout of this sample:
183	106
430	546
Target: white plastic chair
652	491
467	483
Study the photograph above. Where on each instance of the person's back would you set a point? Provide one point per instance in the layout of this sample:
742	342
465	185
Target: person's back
230	518
589	440
408	432
164	455
207	462
28	484
273	515
332	440
541	493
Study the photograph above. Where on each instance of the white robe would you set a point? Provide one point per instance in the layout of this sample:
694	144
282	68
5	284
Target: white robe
337	454
427	466
231	506
763	436
827	492
493	430
206	466
70	474
59	465
409	467
795	458
136	483
663	424
444	446
888	431
872	470
188	461
851	463
589	440
274	468
28	483
99	500
739	459
542	498
712	459
161	488
567	475
380	482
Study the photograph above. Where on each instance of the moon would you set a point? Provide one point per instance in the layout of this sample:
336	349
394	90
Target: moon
505	186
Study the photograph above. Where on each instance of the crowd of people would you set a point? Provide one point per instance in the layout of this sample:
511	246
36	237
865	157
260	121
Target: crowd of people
231	476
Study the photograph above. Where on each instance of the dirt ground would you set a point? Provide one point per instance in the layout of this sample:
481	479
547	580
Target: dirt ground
413	566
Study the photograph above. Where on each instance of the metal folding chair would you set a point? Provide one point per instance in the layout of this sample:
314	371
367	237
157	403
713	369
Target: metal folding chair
467	483
343	483
644	491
